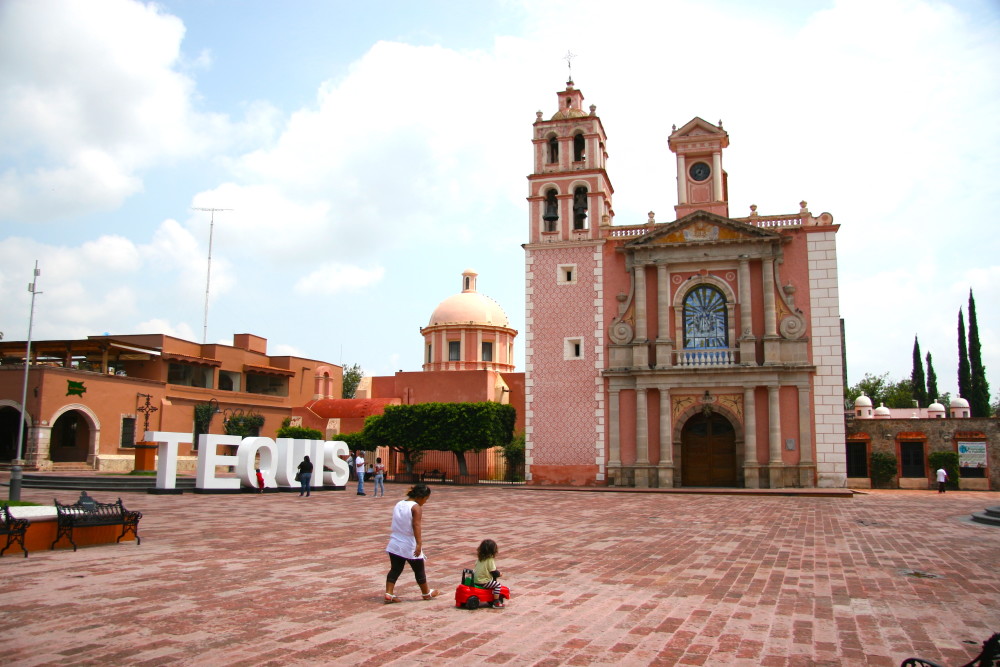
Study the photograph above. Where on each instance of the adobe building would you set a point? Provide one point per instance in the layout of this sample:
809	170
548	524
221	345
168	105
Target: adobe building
910	435
700	351
90	400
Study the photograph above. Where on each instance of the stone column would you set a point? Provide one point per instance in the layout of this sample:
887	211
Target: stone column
664	346
640	351
666	465
614	437
682	197
641	438
717	175
772	345
751	468
747	346
774	437
807	464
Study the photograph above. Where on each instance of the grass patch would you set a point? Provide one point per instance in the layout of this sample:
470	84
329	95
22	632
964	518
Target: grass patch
19	503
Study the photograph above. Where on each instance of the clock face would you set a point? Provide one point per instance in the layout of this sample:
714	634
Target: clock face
699	171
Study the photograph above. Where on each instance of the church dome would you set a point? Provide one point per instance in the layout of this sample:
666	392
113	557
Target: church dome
959	402
469	306
862	401
568	113
935	410
882	412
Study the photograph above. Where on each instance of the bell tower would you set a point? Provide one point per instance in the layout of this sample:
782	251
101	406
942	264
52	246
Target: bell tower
569	191
701	180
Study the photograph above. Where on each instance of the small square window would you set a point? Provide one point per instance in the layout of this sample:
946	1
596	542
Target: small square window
572	348
566	274
454	350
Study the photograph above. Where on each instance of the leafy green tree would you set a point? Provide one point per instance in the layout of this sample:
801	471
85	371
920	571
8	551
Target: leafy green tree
352	378
932	388
872	386
899	394
473	427
882	390
513	454
918	383
412	430
948	461
883	468
964	373
399	430
979	388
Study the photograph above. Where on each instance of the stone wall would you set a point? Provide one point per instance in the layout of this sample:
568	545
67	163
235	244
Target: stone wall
938	435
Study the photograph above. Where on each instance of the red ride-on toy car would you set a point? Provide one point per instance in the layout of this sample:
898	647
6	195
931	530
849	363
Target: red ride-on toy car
471	597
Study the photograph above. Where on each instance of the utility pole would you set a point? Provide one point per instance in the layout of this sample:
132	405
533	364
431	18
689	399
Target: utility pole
208	273
17	464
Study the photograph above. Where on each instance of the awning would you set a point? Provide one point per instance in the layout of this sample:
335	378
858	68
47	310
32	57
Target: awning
268	370
201	361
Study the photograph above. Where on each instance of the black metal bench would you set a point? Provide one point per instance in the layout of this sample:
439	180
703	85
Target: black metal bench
433	474
13	528
988	657
88	512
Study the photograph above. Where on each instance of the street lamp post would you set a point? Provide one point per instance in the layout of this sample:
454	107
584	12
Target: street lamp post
17	464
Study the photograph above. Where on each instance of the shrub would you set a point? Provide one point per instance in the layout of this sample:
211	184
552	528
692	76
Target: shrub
300	433
883	468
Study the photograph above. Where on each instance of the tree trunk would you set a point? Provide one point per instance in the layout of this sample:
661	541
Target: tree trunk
463	467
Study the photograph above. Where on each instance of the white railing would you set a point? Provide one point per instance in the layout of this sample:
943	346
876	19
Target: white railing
706	358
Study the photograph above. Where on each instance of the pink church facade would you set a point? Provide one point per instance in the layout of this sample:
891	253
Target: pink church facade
704	351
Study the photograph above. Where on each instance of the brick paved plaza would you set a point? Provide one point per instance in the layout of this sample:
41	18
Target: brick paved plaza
597	577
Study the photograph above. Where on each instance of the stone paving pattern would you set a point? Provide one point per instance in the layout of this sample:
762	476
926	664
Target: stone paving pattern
597	577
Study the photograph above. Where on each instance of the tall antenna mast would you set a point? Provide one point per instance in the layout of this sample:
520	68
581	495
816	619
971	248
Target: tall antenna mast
208	272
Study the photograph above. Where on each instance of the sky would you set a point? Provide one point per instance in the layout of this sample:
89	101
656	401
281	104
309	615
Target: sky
367	153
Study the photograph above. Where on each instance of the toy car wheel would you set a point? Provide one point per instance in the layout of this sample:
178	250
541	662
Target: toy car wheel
472	603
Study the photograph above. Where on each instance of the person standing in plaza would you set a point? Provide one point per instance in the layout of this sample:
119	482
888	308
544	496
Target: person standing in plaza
405	543
260	481
942	479
350	466
379	471
359	468
305	477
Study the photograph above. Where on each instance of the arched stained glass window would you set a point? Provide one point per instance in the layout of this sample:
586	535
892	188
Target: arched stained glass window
706	323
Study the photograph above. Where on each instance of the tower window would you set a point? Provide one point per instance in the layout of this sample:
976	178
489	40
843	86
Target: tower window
553	149
580	208
430	353
551	214
487	351
706	317
572	348
454	350
579	147
566	274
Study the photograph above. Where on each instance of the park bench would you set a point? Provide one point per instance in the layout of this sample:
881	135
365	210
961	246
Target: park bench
13	528
432	474
988	657
87	512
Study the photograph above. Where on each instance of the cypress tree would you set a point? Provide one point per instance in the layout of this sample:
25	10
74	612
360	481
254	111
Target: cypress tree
964	383
932	388
917	376
979	394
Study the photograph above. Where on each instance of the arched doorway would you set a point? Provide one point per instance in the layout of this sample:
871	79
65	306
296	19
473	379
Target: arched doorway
708	451
10	419
70	438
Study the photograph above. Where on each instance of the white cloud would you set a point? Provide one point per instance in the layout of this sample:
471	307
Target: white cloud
333	278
